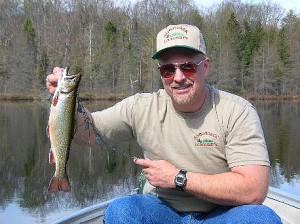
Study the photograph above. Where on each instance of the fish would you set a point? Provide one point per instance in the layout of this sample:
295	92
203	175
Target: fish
61	126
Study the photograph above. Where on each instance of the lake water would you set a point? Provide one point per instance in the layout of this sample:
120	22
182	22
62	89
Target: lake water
97	175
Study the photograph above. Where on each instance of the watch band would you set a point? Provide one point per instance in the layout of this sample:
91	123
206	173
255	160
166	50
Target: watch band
183	172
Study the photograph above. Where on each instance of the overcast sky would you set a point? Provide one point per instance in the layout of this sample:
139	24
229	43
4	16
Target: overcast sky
287	4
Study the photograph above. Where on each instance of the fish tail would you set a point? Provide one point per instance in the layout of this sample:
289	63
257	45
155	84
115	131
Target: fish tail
59	184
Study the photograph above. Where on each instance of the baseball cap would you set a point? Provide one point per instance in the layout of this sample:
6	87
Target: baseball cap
181	35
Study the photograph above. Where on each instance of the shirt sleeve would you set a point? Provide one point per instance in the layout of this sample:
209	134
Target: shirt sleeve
245	139
114	124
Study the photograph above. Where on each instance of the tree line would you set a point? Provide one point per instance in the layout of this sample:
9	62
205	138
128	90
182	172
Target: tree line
253	48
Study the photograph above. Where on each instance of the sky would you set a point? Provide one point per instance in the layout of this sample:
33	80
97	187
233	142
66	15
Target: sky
286	4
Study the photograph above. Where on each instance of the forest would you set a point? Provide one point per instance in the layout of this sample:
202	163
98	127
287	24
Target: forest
253	48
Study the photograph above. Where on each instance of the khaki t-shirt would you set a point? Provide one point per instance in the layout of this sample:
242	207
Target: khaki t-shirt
226	132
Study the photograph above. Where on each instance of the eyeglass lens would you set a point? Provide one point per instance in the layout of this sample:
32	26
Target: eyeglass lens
168	70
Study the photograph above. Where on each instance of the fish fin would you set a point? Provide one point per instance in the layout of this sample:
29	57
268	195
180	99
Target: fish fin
51	156
74	130
47	131
55	98
59	184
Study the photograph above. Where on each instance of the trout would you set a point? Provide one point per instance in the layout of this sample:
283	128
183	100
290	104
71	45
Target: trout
61	128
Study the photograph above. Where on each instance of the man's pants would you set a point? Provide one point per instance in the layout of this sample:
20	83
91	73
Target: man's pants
150	209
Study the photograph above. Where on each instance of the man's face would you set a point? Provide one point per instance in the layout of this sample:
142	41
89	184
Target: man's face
186	91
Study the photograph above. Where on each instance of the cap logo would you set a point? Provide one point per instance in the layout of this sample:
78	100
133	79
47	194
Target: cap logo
176	35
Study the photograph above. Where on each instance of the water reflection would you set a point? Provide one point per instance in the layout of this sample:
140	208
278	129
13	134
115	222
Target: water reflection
97	175
281	123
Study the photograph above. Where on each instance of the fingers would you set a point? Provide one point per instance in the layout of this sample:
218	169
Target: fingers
51	83
159	173
52	79
57	71
143	162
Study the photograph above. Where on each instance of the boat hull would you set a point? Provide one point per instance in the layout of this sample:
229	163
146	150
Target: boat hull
287	206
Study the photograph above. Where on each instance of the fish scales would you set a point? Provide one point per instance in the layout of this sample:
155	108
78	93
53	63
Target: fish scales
61	128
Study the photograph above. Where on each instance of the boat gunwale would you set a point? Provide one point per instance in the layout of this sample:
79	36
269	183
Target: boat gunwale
284	197
84	214
97	210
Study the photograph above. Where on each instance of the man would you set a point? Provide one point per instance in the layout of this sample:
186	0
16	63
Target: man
206	159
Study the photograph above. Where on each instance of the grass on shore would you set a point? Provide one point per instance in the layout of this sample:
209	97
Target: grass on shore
41	96
106	96
19	96
273	97
119	96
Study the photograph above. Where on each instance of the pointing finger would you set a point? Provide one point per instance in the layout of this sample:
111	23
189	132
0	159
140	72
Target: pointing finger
143	162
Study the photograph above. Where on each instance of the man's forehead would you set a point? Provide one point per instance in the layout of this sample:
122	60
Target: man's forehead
179	53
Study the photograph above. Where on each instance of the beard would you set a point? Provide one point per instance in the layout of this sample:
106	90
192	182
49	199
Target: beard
183	99
188	95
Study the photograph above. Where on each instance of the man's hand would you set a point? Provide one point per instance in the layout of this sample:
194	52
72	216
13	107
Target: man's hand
243	185
159	173
52	79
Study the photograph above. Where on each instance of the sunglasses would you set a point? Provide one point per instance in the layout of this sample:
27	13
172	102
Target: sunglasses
167	71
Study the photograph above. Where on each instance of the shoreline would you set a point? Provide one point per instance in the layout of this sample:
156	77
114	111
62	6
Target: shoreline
121	96
47	96
271	97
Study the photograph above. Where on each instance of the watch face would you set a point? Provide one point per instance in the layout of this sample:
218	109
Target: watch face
180	180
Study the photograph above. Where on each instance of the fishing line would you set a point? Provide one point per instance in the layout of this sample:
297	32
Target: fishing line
99	140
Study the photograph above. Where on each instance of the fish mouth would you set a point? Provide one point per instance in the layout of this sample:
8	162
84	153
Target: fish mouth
68	76
72	78
70	83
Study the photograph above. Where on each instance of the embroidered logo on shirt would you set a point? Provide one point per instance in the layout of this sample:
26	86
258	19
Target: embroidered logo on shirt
206	139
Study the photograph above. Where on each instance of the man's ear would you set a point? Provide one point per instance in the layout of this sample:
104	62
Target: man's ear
206	67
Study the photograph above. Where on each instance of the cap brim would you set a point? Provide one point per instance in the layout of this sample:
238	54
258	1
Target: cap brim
158	53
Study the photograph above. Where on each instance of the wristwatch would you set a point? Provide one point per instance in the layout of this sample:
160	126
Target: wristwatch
180	180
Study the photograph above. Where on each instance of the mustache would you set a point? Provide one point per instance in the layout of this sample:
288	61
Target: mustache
177	85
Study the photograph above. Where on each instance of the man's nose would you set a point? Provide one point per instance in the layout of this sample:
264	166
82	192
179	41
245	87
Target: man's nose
179	75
